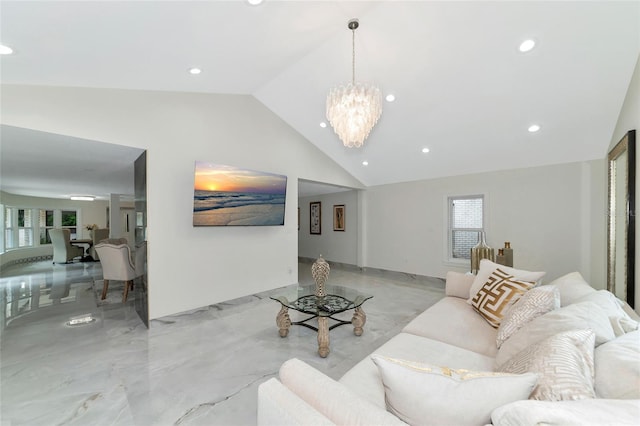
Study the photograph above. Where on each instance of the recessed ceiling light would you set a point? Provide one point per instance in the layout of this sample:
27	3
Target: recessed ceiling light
5	50
425	150
195	71
365	163
533	128
82	197
254	2
390	97
527	45
323	124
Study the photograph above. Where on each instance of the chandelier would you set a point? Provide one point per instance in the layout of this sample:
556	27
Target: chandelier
354	109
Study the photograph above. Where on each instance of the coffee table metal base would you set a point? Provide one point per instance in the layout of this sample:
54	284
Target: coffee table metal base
284	324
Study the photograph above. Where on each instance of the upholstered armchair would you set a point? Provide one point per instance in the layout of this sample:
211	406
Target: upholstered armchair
97	235
63	250
116	265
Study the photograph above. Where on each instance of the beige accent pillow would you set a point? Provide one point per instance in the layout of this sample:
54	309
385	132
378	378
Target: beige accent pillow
534	303
618	367
620	320
487	267
564	364
422	394
579	316
497	294
572	287
458	284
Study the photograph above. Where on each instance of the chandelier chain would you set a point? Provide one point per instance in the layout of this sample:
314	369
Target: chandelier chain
353	56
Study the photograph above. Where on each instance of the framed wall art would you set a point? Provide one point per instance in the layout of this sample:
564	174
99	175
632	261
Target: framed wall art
338	217
315	214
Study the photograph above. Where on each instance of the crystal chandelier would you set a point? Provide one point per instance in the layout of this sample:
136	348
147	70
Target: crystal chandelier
354	109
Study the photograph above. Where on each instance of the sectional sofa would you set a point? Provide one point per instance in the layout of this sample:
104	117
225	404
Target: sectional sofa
499	348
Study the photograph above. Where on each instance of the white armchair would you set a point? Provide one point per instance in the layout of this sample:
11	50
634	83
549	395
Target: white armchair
63	250
116	265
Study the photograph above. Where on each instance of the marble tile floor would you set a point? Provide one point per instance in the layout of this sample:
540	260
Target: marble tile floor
201	367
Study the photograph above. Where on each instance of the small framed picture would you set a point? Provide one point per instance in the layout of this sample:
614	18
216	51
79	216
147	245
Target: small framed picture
315	226
338	217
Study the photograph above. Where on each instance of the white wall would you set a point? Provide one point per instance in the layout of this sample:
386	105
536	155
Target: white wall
541	211
90	212
337	246
629	119
189	267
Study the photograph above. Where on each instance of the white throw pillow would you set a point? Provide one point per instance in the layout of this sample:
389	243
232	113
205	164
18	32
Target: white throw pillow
487	267
421	394
618	367
496	296
620	320
564	364
532	304
572	287
573	317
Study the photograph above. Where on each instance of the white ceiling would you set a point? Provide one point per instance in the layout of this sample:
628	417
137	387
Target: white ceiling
463	90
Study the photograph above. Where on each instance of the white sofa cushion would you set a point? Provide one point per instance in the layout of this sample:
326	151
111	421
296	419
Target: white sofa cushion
618	367
451	320
487	267
423	394
568	413
364	378
564	364
332	399
573	317
279	406
620	320
458	284
497	295
572	286
532	304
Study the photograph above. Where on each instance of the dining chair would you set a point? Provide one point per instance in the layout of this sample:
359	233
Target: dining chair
63	250
117	265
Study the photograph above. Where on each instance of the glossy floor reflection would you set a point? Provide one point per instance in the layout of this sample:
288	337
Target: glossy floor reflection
196	368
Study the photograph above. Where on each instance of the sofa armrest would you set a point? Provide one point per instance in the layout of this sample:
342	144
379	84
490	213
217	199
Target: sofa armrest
331	398
458	284
278	406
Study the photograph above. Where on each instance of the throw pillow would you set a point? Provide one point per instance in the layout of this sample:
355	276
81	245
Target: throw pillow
572	287
620	320
487	267
532	304
564	364
573	317
422	394
497	294
618	367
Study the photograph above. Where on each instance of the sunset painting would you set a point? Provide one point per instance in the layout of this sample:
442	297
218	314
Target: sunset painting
231	196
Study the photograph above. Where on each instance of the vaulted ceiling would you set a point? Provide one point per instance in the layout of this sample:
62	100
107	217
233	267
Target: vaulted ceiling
463	90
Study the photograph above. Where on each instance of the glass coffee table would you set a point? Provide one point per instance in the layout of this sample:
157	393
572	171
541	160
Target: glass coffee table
337	300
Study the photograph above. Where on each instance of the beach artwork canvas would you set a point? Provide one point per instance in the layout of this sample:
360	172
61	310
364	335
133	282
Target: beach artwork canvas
231	196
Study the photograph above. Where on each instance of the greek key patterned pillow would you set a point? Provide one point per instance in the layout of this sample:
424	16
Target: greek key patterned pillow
564	364
499	292
532	304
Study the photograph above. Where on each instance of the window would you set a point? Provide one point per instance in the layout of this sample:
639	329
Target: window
29	227
45	220
69	221
25	228
466	221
